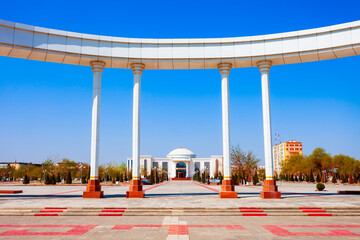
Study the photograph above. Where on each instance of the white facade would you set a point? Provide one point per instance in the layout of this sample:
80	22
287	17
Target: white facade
176	158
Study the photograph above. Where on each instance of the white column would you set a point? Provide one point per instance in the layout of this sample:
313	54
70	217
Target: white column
187	169
137	69
225	70
97	68
173	170
264	67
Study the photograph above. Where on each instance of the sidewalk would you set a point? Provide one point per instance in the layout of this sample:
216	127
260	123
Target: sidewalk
179	194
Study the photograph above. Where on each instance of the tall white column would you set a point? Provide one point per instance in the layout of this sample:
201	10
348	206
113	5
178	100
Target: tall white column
224	71
137	69
187	169
264	67
97	68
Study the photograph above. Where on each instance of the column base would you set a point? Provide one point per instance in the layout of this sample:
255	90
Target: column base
270	190
135	190
93	190
227	190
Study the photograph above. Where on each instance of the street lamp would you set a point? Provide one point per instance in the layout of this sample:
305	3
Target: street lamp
9	176
81	168
44	175
105	176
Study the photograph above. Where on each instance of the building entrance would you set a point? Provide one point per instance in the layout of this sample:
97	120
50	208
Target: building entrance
181	170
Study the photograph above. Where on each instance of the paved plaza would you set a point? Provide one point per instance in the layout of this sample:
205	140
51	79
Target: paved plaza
60	212
179	194
179	228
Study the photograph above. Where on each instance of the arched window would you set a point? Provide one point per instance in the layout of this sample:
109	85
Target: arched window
180	165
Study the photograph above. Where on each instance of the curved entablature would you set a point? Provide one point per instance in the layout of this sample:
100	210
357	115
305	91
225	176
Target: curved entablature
43	44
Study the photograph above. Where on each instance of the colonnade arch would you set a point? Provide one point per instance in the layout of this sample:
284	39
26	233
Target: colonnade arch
99	52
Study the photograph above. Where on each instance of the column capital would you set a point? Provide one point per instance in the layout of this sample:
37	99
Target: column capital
264	66
224	67
97	66
137	68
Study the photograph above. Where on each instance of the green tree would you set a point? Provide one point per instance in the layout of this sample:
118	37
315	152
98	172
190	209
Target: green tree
243	163
255	179
26	179
68	178
322	161
47	178
58	178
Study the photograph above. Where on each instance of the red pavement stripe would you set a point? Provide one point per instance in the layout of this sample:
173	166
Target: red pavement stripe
254	214
110	214
112	210
309	208
314	210
212	189
51	210
155	186
319	214
46	214
56	208
251	210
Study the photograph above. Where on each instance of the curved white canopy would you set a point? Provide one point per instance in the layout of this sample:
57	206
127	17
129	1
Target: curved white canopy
44	44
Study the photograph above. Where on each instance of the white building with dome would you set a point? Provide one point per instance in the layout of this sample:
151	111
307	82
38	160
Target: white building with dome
179	163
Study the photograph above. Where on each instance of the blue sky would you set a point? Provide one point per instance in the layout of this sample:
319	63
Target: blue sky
46	107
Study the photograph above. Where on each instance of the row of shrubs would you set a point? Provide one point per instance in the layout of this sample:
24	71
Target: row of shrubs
334	179
52	180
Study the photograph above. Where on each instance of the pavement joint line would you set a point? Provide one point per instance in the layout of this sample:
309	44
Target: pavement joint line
159	185
212	189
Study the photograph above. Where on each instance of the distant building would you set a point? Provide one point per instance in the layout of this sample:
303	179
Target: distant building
16	165
283	151
180	163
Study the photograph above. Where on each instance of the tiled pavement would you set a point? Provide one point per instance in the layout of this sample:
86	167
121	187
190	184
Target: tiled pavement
171	228
179	195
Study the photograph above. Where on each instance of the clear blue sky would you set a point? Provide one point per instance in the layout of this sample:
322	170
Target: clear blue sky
46	107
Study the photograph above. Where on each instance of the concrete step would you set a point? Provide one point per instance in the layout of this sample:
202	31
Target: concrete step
240	211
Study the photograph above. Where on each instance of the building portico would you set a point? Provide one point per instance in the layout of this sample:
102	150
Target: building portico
179	163
99	52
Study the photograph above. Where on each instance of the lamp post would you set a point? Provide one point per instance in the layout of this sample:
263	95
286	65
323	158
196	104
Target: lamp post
105	177
9	176
81	168
44	175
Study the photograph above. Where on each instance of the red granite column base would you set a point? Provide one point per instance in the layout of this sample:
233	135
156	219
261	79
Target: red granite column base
135	190
270	190
93	190
227	190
